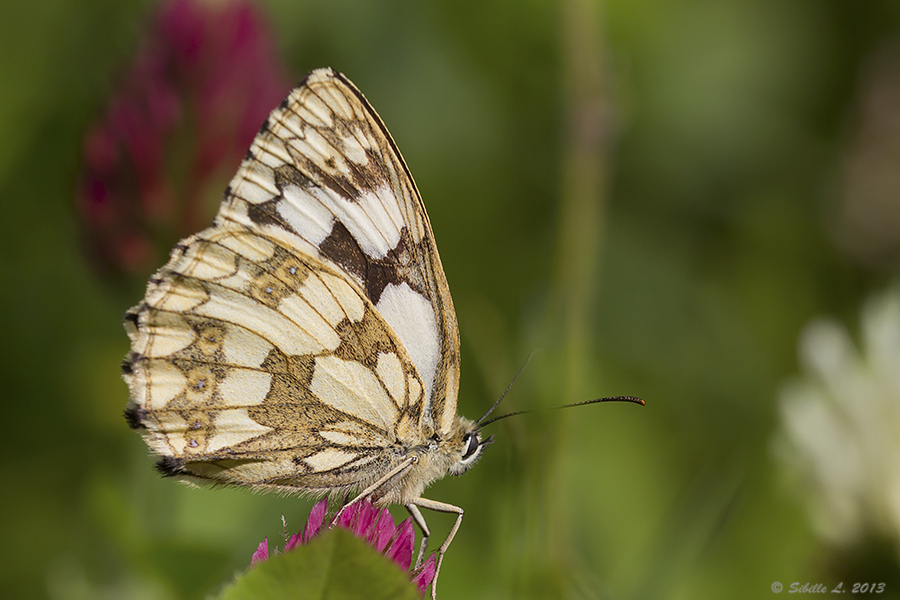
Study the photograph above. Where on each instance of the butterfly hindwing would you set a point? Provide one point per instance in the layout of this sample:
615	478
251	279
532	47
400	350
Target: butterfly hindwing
265	371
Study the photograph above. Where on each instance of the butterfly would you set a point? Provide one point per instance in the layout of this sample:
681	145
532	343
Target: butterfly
306	343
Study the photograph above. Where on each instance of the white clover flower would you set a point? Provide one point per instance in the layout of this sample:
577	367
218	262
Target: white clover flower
841	424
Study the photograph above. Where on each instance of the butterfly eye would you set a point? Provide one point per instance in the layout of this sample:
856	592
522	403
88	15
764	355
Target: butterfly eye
472	447
472	443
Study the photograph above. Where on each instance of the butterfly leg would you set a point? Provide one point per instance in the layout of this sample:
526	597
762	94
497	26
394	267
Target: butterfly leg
444	508
426	533
397	471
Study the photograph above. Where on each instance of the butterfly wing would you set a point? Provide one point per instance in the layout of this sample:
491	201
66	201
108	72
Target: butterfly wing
325	176
311	327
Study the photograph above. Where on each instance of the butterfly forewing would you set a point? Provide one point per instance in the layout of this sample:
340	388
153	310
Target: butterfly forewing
324	176
311	328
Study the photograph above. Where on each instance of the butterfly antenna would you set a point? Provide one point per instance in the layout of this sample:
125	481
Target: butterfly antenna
506	391
633	399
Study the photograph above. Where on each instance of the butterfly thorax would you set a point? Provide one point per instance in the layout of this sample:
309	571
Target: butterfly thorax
436	457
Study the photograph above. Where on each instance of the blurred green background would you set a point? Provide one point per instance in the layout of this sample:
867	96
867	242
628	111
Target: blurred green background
658	196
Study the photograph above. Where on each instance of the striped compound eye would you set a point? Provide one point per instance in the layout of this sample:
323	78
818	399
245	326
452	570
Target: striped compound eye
473	448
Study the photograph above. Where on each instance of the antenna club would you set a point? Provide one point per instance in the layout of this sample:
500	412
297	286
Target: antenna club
633	399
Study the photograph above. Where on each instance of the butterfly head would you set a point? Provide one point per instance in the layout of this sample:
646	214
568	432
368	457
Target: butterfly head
468	445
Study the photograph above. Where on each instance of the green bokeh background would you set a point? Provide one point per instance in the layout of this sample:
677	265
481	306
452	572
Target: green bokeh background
675	255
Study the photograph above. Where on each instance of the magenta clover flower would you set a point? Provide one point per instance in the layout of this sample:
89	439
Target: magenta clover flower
375	526
174	130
